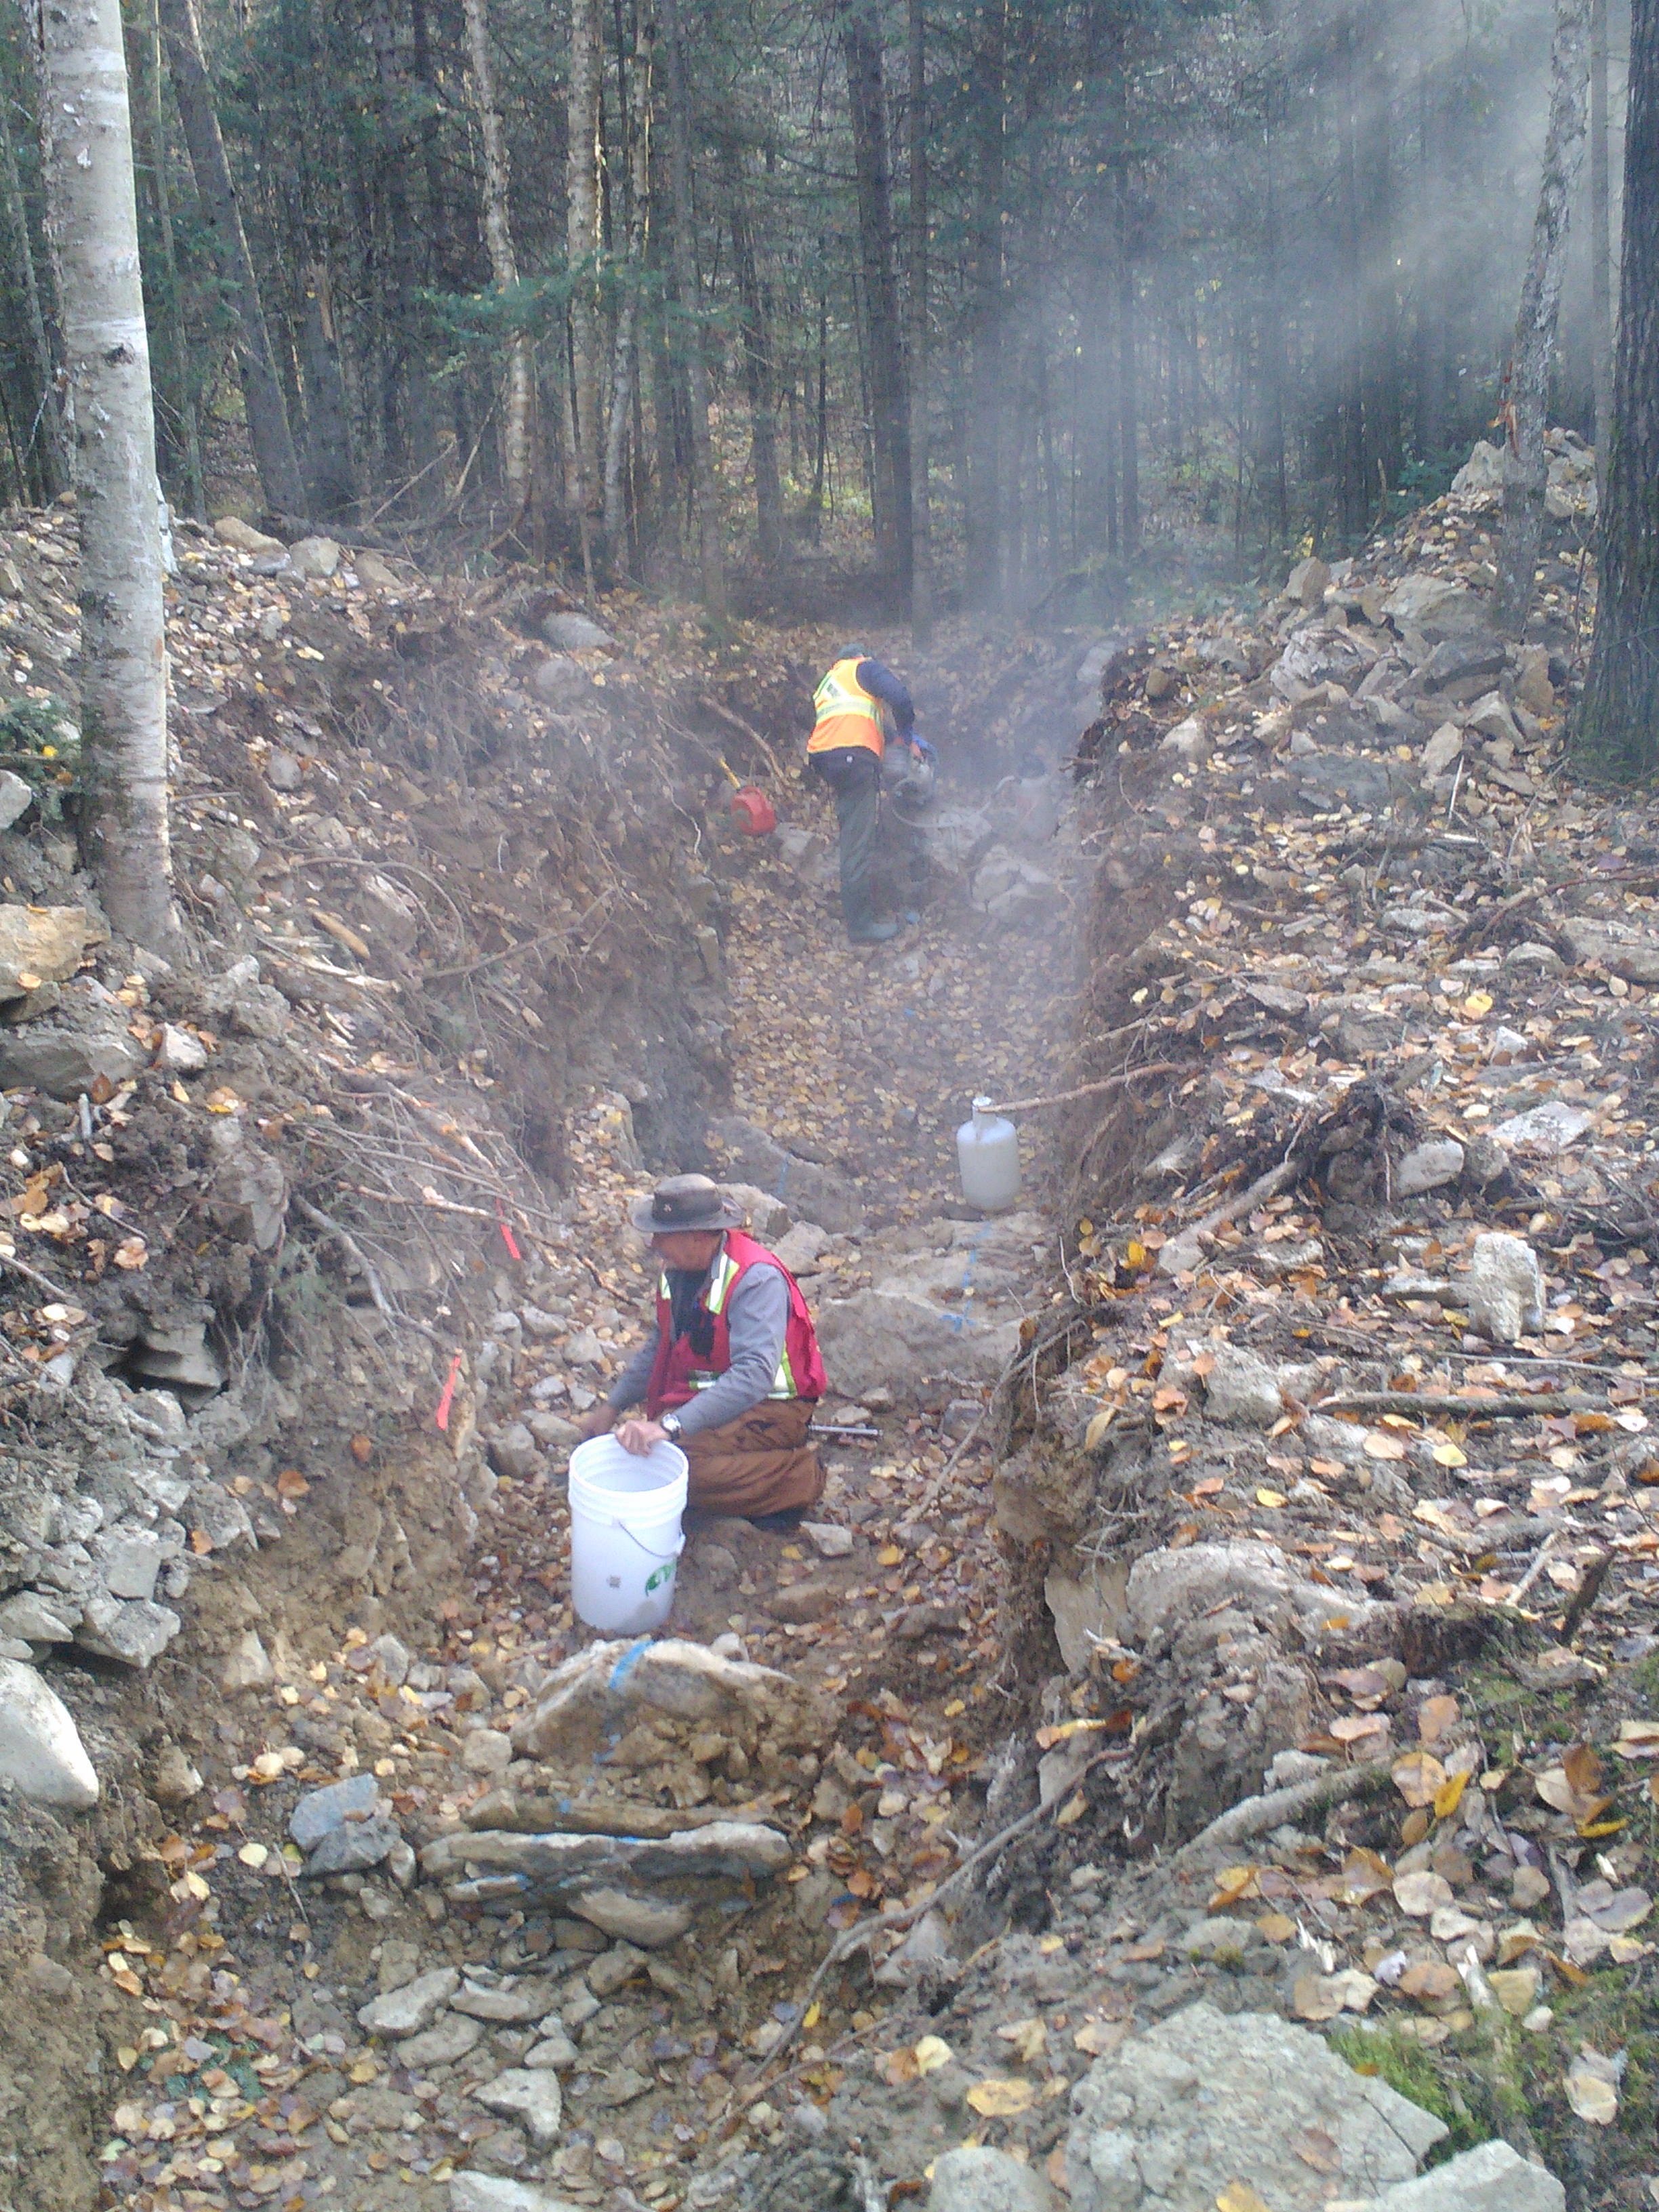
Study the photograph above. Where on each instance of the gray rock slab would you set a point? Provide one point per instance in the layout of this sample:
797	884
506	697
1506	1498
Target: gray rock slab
449	2038
649	1922
405	2011
984	2180
585	1701
129	1560
555	2049
44	942
614	1969
726	1850
41	1753
1619	946
1240	1390
16	797
321	1811
506	2007
893	1336
1168	1588
529	2095
37	1617
811	1192
573	633
1492	2177
135	1630
353	1847
487	2192
66	1053
1543	1131
1206	2099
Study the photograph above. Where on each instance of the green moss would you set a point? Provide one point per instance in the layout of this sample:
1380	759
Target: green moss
1433	2079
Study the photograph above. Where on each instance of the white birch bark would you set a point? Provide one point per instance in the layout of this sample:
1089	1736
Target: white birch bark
516	427
87	146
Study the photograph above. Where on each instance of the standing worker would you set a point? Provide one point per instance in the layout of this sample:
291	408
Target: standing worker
732	1373
855	703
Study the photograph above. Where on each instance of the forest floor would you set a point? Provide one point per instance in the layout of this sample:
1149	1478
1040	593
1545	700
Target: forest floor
1233	1459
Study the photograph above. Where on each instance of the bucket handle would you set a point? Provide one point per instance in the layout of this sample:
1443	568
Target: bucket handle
659	1556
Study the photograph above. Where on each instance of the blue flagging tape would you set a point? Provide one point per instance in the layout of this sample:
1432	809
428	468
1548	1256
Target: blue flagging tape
629	1659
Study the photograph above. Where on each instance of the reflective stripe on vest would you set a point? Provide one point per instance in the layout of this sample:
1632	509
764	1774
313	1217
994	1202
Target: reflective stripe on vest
724	1274
847	713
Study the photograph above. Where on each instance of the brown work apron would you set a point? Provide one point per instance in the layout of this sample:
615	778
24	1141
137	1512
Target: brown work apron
760	1463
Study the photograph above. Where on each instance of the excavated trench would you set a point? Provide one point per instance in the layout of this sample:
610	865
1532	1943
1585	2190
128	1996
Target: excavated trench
405	1196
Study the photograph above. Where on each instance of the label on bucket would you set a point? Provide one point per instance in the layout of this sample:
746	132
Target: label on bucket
660	1576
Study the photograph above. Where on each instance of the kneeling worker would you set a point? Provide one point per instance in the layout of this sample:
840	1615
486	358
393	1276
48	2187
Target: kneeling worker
733	1372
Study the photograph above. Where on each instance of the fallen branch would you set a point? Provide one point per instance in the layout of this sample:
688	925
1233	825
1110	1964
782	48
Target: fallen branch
1255	1815
34	1275
1536	1568
1221	1217
1093	1090
1514	1407
350	1245
1591	1577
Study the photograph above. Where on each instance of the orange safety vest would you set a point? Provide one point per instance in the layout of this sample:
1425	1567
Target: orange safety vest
847	713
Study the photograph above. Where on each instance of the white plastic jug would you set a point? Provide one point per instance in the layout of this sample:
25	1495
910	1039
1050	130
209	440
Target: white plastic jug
988	1155
625	1536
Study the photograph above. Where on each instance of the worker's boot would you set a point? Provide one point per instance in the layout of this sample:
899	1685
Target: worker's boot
873	933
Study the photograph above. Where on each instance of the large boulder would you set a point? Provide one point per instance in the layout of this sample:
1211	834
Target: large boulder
811	1191
65	1053
43	943
950	1315
1177	2117
41	1753
1482	472
598	1696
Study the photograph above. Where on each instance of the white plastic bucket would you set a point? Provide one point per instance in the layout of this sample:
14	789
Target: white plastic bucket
625	1536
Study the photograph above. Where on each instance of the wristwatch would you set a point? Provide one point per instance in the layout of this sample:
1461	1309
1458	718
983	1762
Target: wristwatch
670	1425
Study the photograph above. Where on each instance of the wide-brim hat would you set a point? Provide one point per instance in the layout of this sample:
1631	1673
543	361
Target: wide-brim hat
685	1204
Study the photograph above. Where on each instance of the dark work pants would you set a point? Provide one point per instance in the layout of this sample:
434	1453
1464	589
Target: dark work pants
854	774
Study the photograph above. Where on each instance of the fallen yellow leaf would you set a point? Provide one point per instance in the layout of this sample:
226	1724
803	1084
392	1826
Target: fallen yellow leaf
998	2099
1239	2196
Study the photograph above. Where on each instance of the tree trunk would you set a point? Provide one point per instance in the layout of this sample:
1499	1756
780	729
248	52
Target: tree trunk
1524	465
982	554
504	265
1600	244
1618	730
195	490
328	442
624	363
688	299
889	414
582	252
262	391
1430	289
921	535
413	442
757	364
87	143
54	466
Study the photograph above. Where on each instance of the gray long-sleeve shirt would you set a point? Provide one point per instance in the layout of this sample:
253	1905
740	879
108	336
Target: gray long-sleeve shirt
757	1320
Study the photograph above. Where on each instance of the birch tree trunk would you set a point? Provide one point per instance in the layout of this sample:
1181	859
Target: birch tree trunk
269	432
582	251
688	299
922	536
503	263
624	366
87	137
1619	721
1524	464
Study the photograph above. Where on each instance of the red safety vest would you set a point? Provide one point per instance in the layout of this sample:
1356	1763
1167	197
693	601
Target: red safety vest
678	1373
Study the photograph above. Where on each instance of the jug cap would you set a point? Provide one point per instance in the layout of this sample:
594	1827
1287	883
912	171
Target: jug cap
983	1104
